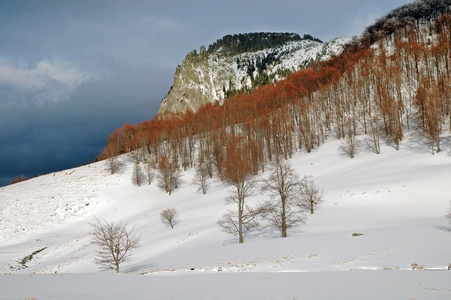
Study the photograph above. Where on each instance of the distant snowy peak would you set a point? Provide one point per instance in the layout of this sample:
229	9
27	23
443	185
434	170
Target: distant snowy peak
242	62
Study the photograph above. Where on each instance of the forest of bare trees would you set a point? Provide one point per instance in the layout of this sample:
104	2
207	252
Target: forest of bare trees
364	96
399	84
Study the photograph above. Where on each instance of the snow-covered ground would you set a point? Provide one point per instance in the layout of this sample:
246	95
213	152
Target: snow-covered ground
396	199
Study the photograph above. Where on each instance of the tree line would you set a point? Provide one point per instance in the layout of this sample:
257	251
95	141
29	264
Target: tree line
251	42
398	84
367	94
402	82
415	13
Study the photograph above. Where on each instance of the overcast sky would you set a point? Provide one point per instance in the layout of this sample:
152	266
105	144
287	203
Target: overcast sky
73	71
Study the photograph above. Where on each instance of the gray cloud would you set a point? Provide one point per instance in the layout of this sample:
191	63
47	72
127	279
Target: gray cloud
53	80
73	71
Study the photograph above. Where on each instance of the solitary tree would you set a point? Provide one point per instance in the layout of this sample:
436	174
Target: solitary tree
284	210
137	176
169	216
115	241
168	174
310	194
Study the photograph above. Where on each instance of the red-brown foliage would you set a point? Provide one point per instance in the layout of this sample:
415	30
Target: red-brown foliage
351	90
18	179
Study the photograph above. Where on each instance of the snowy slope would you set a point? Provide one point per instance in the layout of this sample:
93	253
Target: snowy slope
396	199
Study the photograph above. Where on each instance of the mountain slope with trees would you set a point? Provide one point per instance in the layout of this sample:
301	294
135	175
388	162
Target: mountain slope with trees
321	177
401	83
240	63
363	97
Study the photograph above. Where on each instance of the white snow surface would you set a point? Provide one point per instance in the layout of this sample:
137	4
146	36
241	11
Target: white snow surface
396	199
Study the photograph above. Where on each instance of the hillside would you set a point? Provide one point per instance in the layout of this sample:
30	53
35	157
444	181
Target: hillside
371	125
399	84
242	62
396	199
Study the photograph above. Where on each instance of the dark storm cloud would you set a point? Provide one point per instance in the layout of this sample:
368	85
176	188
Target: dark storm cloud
73	71
41	138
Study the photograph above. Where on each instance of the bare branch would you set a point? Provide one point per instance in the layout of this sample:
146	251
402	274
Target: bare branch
311	195
283	185
138	175
115	242
201	178
169	216
168	174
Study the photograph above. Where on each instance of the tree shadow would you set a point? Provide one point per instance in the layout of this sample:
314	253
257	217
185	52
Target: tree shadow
444	228
142	269
418	142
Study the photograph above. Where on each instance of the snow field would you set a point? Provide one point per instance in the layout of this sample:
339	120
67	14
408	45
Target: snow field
396	199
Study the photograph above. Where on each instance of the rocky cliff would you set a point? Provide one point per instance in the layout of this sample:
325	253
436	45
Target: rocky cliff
242	62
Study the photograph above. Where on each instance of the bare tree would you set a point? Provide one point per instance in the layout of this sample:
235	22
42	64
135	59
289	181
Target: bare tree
112	162
169	216
237	171
448	212
311	195
150	171
236	223
201	178
350	144
168	174
137	176
284	210
375	134
136	156
115	241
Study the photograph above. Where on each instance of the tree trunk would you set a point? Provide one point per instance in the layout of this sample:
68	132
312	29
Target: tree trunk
284	219
437	141
240	220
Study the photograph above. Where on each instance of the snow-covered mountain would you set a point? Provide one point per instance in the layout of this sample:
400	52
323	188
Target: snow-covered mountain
381	232
217	72
396	199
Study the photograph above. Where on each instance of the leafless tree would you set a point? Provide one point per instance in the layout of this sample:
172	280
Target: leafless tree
168	174
350	144
135	155
150	171
240	222
375	134
169	216
201	178
284	210
237	171
448	212
310	194
112	162
115	241
137	176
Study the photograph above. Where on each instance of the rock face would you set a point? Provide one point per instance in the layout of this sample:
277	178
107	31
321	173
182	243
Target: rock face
242	62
